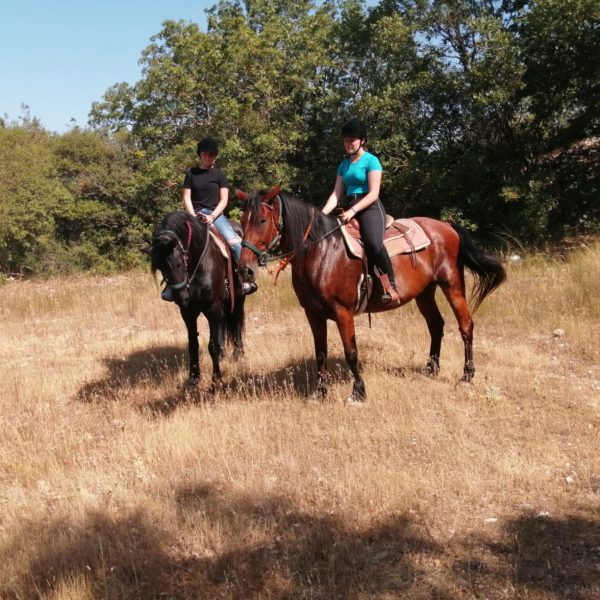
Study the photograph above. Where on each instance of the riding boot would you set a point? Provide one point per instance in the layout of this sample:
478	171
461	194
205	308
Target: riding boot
386	277
390	295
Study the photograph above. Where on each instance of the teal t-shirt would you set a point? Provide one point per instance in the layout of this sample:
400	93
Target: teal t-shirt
355	175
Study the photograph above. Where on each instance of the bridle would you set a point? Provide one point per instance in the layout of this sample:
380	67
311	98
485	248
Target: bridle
184	255
266	255
277	226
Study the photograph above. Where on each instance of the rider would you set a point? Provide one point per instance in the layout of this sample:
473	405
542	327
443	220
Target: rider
359	179
205	195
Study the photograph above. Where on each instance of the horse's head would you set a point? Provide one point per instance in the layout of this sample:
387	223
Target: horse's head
261	222
170	258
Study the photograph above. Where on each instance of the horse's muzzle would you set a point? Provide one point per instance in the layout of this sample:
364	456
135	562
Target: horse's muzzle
247	274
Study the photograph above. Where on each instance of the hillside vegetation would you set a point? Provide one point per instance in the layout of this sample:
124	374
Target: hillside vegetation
483	112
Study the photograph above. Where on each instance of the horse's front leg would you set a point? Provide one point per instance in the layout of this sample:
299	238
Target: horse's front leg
190	319
345	323
318	326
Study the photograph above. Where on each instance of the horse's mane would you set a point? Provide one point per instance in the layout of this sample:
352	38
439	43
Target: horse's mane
299	217
176	222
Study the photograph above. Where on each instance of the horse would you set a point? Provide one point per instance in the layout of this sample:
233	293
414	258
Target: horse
326	279
193	265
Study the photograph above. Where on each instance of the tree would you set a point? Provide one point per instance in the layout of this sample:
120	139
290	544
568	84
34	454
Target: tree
31	195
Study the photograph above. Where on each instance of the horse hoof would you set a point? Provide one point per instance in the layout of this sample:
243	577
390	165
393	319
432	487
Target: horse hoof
192	383
355	402
216	386
316	397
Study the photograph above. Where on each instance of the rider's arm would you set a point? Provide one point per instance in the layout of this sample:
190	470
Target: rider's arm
187	201
338	192
221	206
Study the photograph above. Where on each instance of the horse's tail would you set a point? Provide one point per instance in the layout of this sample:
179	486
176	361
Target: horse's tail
234	321
487	270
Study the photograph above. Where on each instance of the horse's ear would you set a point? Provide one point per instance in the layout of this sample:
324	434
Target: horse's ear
272	193
241	196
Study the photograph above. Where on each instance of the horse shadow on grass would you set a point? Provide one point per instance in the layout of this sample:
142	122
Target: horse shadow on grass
266	547
136	369
296	379
150	368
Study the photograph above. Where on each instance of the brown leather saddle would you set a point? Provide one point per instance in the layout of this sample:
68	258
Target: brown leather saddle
402	236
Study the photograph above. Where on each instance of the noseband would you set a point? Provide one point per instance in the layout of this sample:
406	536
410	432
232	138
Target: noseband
263	257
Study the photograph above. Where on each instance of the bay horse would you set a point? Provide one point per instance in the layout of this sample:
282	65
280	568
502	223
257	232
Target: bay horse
194	267
326	279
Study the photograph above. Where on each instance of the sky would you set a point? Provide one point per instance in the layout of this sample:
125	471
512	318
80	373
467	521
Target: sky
59	56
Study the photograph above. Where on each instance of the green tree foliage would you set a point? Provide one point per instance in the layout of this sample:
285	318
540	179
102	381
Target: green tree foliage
483	111
68	202
30	197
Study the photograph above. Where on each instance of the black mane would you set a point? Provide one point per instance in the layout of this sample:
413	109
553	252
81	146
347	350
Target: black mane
297	217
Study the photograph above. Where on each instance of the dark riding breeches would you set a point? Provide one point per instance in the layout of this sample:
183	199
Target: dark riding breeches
372	228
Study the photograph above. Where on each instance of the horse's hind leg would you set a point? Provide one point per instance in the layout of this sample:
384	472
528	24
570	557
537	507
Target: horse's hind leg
215	344
455	293
238	334
435	324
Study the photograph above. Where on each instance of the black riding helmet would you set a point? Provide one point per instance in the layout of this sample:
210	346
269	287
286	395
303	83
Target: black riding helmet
354	128
207	145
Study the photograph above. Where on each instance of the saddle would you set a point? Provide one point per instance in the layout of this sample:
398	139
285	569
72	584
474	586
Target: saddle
402	236
225	250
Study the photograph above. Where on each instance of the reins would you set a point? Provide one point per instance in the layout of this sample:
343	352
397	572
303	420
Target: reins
285	259
185	253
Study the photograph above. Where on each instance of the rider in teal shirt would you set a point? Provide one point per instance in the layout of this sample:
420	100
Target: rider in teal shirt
359	180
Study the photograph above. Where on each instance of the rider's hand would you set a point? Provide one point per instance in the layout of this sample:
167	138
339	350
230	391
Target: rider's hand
348	215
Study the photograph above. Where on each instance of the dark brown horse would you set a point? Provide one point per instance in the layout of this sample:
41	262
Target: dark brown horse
197	272
326	279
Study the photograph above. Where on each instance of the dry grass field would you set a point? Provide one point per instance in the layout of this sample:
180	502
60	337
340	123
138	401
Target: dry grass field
114	484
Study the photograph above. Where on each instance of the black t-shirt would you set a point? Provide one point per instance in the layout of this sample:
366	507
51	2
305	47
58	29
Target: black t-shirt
205	185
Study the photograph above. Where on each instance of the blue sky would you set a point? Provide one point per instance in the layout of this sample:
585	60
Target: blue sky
59	56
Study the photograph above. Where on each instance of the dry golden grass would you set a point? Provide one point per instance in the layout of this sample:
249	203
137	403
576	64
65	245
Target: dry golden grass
113	484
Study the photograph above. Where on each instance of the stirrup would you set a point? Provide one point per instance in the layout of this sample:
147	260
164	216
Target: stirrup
167	295
389	290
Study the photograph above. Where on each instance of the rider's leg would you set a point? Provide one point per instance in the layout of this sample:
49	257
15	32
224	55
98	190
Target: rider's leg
235	243
387	279
372	226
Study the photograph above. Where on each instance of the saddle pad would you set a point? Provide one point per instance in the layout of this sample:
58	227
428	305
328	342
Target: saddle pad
221	243
396	238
